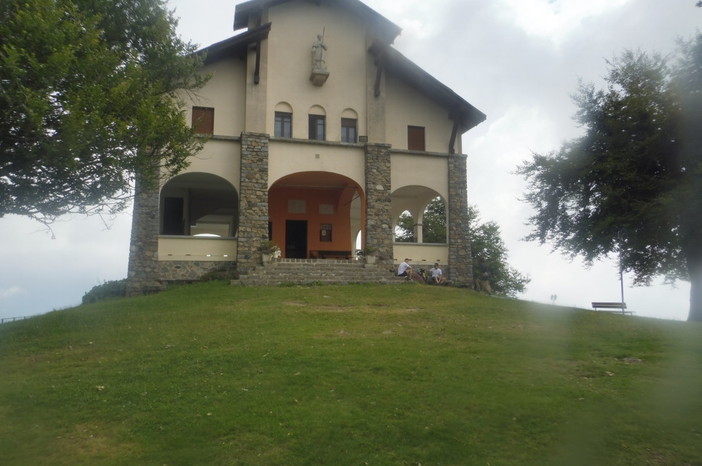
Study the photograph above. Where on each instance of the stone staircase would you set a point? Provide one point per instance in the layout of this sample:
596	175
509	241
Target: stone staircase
309	271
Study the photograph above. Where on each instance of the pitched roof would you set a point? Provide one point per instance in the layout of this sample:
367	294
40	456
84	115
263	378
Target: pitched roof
236	45
390	59
386	30
404	69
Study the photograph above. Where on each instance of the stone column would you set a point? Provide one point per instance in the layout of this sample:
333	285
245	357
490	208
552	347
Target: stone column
253	199
379	232
460	268
142	273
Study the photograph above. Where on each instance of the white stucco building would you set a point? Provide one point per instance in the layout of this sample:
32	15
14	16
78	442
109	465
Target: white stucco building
320	136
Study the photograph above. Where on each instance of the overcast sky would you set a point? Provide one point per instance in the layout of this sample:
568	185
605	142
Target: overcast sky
518	61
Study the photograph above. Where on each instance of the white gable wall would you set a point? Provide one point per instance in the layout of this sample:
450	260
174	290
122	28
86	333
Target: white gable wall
406	106
225	92
295	26
285	71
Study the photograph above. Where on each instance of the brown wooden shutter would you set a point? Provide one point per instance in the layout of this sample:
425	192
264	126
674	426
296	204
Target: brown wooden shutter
415	138
203	120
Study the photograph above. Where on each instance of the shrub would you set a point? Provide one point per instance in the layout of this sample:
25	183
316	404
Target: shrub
109	289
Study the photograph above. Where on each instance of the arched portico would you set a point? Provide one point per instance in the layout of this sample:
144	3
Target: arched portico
413	199
198	219
195	204
315	214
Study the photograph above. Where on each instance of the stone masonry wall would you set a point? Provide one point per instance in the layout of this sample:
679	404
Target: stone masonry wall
379	232
460	269
189	271
142	272
253	208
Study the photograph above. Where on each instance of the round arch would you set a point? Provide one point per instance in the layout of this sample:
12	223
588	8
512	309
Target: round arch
317	110
283	107
413	199
198	203
316	214
349	113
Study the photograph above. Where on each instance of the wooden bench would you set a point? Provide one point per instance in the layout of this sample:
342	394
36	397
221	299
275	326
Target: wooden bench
320	254
611	306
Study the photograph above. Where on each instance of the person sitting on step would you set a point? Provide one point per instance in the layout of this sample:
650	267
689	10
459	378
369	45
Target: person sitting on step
404	269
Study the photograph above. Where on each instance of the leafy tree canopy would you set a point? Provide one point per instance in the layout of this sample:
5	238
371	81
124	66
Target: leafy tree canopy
87	100
490	257
404	231
631	186
433	224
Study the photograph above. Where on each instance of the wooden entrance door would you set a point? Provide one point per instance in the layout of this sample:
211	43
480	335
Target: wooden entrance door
296	239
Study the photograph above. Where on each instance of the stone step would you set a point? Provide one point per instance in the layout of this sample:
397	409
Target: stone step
305	271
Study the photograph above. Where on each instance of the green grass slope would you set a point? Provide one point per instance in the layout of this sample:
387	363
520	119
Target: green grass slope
211	374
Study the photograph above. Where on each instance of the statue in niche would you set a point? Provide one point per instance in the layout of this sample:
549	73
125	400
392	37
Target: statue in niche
319	65
319	49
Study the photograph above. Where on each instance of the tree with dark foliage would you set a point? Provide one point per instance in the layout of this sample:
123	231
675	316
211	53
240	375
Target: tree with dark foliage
433	224
87	100
490	257
631	186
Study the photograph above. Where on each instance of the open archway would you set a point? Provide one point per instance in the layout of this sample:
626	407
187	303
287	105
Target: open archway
315	215
413	202
199	204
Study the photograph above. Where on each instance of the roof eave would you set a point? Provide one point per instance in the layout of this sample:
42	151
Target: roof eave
460	110
235	45
390	30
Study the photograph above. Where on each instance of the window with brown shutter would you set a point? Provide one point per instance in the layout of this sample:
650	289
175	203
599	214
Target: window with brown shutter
203	120
415	138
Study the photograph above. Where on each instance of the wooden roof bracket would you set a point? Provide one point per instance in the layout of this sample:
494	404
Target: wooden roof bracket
378	77
454	134
257	68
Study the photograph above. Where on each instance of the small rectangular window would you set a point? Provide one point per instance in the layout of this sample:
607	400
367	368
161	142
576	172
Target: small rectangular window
283	124
203	120
348	130
317	126
415	138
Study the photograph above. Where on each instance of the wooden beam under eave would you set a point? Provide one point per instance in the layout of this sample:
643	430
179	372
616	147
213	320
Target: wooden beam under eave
454	134
378	77
257	68
377	50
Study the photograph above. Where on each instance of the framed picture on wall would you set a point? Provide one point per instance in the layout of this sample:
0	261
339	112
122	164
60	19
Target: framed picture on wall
325	232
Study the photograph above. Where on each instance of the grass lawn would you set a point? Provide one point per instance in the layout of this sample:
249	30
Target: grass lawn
402	374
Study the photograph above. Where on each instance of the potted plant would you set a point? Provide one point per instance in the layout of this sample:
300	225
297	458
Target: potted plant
369	252
269	250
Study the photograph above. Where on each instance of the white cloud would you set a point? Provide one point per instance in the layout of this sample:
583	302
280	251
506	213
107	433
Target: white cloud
556	19
55	273
11	291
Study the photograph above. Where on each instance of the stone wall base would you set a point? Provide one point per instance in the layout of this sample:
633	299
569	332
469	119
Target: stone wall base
169	272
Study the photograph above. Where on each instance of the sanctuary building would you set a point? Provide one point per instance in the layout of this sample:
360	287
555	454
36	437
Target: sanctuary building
319	136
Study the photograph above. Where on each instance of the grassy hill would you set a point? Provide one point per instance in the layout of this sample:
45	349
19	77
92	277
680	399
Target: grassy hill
347	375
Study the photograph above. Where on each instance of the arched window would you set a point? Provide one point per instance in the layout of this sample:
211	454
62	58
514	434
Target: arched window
349	126
283	120
317	127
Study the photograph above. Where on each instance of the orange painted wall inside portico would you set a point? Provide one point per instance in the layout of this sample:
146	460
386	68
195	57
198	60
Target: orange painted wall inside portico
317	206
